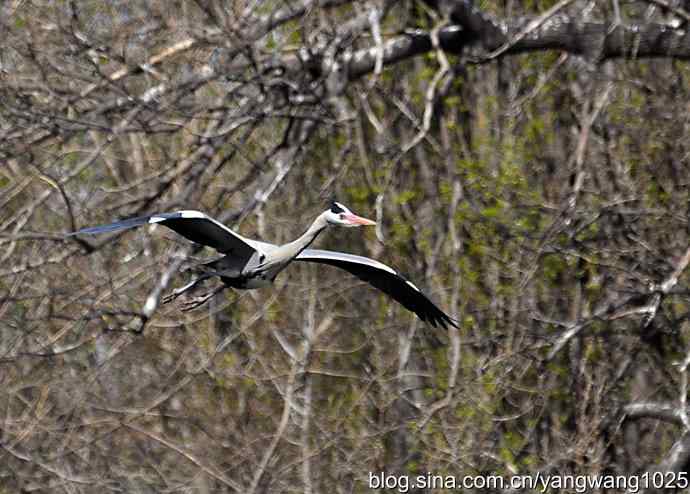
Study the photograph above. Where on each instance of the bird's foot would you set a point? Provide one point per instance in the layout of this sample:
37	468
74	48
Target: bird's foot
170	297
195	302
179	291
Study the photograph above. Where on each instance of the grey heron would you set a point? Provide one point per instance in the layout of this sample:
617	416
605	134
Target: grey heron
247	263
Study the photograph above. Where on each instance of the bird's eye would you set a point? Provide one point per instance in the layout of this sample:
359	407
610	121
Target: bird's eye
341	216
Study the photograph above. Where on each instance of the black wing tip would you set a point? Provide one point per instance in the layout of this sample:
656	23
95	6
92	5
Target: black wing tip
434	316
430	313
441	320
93	230
447	320
123	224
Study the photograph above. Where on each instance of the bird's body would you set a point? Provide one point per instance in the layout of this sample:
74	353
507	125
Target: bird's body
249	264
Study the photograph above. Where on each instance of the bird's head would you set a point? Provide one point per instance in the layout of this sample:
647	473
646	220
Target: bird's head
339	215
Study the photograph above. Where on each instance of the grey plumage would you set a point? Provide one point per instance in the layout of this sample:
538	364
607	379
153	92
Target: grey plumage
249	263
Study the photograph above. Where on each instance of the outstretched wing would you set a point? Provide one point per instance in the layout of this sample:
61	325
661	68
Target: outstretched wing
193	225
385	279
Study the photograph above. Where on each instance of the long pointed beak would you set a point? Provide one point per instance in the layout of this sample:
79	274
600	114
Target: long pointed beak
359	221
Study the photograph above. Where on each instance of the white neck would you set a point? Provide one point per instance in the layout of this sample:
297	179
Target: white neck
290	250
310	235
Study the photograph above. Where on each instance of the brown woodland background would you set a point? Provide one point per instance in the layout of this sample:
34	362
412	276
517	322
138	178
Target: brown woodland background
527	163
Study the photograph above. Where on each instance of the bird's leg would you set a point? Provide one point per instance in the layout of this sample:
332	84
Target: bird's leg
195	302
179	291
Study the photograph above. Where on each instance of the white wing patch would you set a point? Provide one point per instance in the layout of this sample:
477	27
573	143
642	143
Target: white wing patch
380	265
197	214
413	285
156	219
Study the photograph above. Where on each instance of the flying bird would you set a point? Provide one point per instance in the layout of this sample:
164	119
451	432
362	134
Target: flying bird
247	263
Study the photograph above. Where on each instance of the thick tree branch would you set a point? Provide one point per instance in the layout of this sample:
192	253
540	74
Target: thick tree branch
564	33
599	40
661	411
